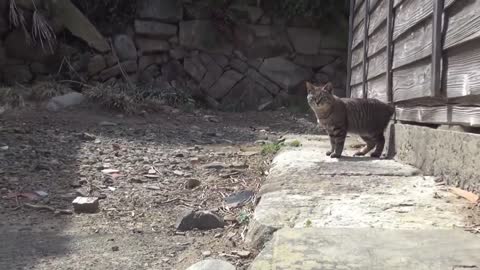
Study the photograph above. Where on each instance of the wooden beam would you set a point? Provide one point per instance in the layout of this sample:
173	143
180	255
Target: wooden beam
350	49
441	115
365	47
389	49
438	7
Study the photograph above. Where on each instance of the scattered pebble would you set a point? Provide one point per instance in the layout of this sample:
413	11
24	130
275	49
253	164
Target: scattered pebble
107	124
212	265
202	220
239	199
192	183
85	204
242	253
215	166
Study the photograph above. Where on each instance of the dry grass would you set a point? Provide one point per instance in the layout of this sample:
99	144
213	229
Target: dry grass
12	97
41	31
128	99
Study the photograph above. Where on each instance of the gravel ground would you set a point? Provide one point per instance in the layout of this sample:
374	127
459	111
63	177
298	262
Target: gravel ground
144	170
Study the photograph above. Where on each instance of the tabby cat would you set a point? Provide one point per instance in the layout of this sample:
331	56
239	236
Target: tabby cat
365	117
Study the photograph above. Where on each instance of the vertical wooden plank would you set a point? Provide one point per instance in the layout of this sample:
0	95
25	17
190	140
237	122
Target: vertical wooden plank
389	49
365	47
438	7
350	49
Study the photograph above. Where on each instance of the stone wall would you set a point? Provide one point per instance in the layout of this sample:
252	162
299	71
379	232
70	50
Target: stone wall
253	65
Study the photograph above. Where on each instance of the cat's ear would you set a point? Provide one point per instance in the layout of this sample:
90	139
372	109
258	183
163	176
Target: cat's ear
310	87
328	87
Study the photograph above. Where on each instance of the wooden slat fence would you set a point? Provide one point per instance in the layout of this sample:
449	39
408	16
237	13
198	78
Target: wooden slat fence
421	55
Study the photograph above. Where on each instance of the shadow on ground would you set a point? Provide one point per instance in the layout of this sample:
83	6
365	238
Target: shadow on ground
63	155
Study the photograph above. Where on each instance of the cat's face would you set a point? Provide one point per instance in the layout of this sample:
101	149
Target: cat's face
320	98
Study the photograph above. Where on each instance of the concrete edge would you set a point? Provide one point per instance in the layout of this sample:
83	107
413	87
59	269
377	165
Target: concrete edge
448	154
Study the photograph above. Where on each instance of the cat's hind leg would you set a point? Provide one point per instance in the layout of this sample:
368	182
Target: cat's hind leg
370	145
380	144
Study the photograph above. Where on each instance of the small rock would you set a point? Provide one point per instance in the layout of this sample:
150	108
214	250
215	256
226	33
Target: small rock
85	204
76	184
110	171
81	192
179	155
242	253
215	166
194	160
178	173
67	100
206	253
192	183
230	235
230	218
115	248
202	220
107	124
41	193
211	118
87	136
151	176
212	265
249	153
124	47
239	199
4	148
153	187
96	64
239	165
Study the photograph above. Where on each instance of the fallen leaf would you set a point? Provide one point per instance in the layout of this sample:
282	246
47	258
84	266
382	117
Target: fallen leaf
471	197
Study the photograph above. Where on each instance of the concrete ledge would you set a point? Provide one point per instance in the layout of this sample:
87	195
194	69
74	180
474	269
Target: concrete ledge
453	155
369	248
306	188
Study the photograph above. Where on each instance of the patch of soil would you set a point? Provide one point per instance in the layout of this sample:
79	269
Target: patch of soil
139	167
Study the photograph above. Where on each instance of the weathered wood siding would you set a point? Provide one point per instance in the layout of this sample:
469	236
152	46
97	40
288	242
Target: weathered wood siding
421	55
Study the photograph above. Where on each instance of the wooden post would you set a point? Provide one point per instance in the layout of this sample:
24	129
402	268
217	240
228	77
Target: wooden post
350	41
365	48
438	6
389	49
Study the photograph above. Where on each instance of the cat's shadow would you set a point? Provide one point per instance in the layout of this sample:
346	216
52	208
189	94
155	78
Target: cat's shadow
359	158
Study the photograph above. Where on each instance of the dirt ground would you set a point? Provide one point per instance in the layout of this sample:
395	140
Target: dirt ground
149	159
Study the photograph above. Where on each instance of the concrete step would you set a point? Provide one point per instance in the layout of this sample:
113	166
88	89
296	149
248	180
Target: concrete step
369	248
356	213
305	187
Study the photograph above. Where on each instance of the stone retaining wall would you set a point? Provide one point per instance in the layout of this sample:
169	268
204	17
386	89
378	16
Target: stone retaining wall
176	43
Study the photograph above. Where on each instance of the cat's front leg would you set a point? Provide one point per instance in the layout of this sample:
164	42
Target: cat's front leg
339	135
332	145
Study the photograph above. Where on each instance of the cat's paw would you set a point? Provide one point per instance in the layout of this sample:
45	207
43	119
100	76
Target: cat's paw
329	153
375	155
335	155
359	154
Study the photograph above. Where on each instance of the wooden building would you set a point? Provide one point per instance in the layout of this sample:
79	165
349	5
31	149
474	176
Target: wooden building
422	55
